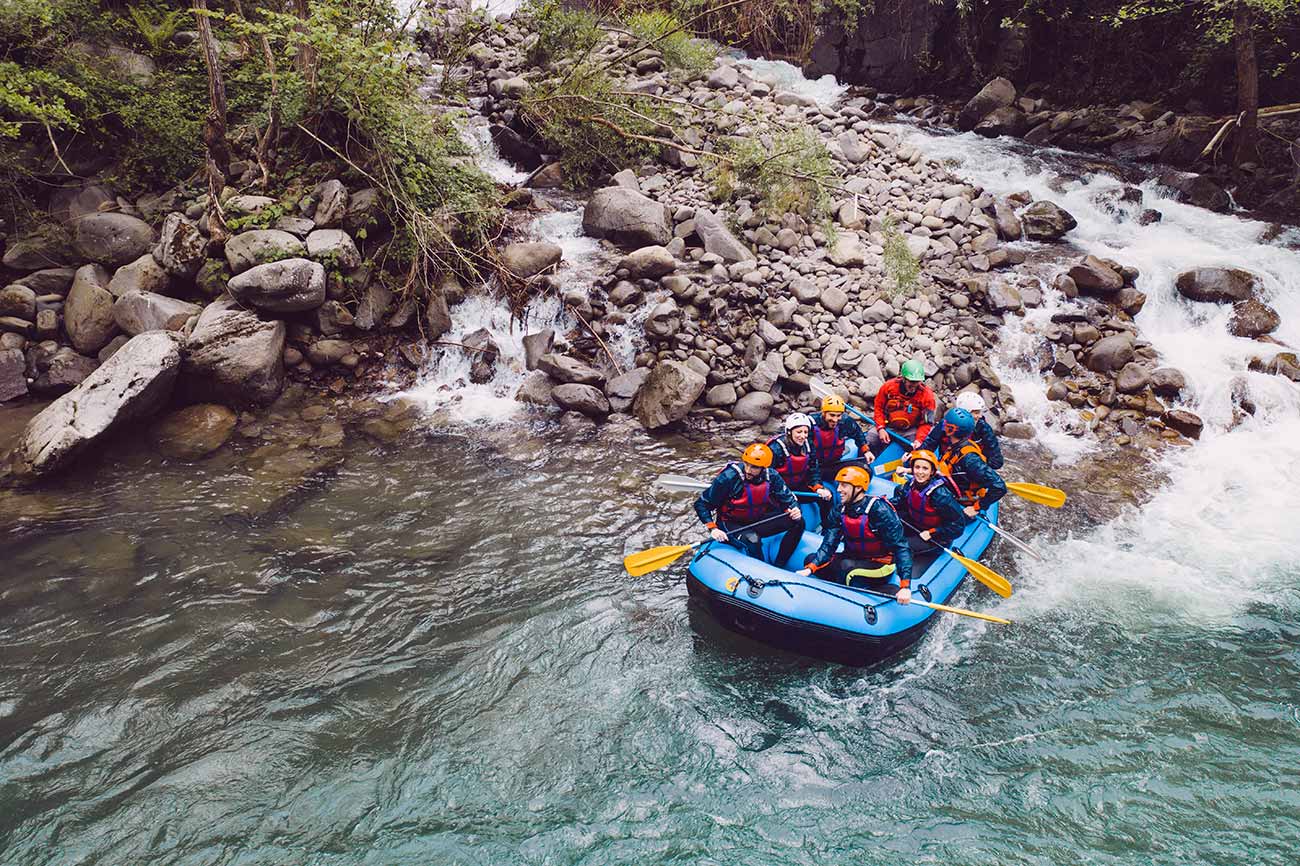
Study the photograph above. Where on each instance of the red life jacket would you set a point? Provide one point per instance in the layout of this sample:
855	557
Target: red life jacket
950	459
924	514
900	410
795	468
753	503
859	541
829	444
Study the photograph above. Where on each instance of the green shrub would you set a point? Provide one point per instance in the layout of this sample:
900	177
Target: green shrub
901	266
560	32
679	49
788	172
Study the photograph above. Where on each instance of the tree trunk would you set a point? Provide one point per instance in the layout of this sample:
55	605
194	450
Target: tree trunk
305	61
1243	28
214	126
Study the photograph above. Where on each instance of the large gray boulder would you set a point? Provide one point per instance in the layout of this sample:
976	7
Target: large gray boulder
1110	354
437	316
233	356
260	246
334	247
138	312
568	370
1253	318
49	281
530	258
668	394
998	93
587	399
142	275
627	217
181	246
88	311
1046	221
13	374
718	239
287	286
1216	285
755	407
623	388
46	247
1092	276
18	300
649	263
331	203
133	384
112	239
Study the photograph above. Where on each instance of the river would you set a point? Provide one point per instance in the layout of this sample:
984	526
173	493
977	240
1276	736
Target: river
429	652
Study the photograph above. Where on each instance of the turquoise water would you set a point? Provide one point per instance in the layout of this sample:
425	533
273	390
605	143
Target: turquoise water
429	653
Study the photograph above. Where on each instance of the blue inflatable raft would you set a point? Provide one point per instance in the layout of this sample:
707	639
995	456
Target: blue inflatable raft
818	618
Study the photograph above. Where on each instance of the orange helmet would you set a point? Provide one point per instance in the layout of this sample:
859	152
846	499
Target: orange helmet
832	403
854	475
928	456
758	455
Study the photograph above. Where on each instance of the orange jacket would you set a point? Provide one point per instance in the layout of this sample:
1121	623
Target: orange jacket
895	409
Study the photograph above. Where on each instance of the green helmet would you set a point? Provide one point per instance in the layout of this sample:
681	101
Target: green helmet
913	371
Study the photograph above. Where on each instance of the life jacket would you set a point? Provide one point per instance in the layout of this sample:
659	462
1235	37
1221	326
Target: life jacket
859	541
829	443
966	495
902	411
924	514
753	503
795	468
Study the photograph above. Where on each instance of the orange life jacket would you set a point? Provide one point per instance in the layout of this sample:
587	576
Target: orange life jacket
947	463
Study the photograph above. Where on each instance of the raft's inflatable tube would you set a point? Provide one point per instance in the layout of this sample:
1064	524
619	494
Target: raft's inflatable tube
816	617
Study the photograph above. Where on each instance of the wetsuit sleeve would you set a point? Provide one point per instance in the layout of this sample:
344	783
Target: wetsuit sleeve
850	429
814	465
979	471
780	490
889	529
930	441
898	498
778	453
714	495
929	407
954	519
988	443
832	533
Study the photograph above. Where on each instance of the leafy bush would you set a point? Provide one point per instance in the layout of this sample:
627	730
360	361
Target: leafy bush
788	172
901	266
664	31
560	32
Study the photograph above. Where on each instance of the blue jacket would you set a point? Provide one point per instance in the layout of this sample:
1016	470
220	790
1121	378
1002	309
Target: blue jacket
970	472
983	436
944	501
782	448
884	524
730	483
847	429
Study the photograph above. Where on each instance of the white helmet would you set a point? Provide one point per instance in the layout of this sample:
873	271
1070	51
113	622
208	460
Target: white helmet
971	401
798	419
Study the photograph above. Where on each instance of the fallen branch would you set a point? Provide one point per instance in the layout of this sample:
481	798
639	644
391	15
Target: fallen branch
592	331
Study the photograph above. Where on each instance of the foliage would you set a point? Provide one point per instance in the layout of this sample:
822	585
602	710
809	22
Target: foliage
901	266
593	126
35	96
157	26
561	32
790	171
665	32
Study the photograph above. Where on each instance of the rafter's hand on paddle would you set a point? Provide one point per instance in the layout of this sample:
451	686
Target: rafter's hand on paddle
793	512
904	596
718	534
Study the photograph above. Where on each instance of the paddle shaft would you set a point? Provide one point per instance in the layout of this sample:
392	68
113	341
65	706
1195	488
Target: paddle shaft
1011	538
961	611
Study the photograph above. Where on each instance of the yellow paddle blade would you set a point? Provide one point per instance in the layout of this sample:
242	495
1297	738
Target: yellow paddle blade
1049	496
984	574
653	559
886	468
961	610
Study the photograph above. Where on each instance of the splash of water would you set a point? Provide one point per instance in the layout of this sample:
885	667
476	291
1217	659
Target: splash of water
780	75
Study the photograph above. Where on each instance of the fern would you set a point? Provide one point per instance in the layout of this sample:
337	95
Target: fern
157	32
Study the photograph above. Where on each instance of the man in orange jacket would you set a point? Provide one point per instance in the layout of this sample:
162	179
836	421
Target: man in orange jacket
904	405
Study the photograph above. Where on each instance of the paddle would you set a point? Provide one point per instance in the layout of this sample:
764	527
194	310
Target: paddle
945	608
821	389
1049	496
1011	538
646	561
978	570
683	483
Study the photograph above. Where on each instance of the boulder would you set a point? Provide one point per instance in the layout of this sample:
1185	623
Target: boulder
998	93
257	247
1284	364
193	432
1046	221
287	286
623	388
755	407
536	345
854	149
233	356
847	251
627	217
648	263
723	78
1130	300
880	311
1008	224
137	312
374	304
112	239
1167	382
88	312
1004	296
323	353
721	396
536	389
1005	120
515	147
437	316
366	214
64	370
72	203
181	248
568	370
331	203
1216	285
1196	189
1133	377
668	394
586	399
17	300
46	247
333	248
133	384
13	374
1092	276
1187	423
718	239
1111	353
142	275
49	281
528	259
483	354
1252	318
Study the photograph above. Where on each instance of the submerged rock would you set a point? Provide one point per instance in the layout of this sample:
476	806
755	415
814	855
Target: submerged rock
194	431
1252	318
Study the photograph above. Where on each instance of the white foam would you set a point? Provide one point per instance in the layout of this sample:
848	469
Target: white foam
780	75
475	133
